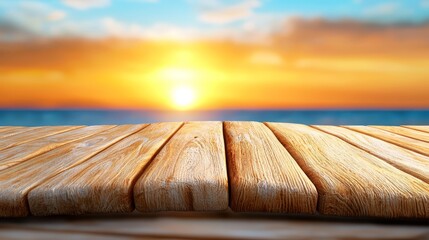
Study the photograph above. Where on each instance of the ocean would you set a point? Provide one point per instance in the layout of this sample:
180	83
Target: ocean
24	117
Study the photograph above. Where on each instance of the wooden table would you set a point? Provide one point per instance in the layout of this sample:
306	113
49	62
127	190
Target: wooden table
370	172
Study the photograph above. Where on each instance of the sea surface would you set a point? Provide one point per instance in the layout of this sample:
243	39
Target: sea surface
24	117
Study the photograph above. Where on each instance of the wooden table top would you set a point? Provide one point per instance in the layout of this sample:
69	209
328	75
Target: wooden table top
347	171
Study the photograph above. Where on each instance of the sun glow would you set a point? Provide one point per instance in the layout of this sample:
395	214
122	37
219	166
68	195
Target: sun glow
183	97
178	74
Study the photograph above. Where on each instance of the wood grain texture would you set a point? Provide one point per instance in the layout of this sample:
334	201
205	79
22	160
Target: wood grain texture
28	136
78	191
10	131
263	175
420	128
7	128
350	181
12	156
408	161
402	141
17	181
407	132
189	173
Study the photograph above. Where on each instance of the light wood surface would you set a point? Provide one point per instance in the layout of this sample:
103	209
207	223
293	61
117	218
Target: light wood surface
406	142
14	155
263	175
18	180
420	128
10	131
350	181
407	132
271	167
406	160
189	173
6	129
77	191
17	139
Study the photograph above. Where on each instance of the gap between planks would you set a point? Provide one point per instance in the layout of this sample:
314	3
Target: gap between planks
77	192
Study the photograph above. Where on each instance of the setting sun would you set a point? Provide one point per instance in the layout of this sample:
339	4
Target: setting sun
183	97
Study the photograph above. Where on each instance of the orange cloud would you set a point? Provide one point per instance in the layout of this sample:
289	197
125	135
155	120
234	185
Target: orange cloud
309	64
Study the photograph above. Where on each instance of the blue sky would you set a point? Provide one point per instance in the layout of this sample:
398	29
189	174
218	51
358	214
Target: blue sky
192	18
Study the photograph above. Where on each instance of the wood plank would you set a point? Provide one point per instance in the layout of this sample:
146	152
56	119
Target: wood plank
419	128
10	131
77	191
407	132
408	161
7	128
17	139
350	181
17	181
263	175
402	141
12	156
189	173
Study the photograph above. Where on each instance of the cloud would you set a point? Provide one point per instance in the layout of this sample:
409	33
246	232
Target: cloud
86	4
30	19
383	9
424	3
57	15
215	12
351	37
9	31
391	12
157	31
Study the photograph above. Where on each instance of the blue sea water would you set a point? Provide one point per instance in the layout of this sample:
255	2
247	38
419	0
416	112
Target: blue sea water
22	117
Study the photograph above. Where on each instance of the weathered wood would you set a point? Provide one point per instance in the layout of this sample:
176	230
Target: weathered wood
402	141
263	175
17	181
350	181
420	128
78	191
18	139
189	173
6	128
407	132
408	161
12	156
10	131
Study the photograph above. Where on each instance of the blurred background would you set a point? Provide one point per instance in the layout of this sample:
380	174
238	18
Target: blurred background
132	61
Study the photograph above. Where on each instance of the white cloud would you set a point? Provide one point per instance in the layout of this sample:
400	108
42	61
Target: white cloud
57	15
34	16
424	3
165	31
215	12
383	9
116	28
86	4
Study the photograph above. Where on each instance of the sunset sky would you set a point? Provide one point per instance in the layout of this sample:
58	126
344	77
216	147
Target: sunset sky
213	54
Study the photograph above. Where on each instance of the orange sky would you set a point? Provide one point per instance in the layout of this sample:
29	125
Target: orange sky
319	64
